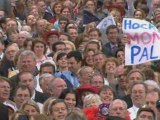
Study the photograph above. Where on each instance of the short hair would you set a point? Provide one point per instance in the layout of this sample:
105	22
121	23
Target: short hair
76	54
154	90
26	53
152	83
31	103
82	69
95	30
26	34
55	102
149	73
119	49
145	109
67	30
65	34
57	43
60	55
106	87
118	100
11	31
111	59
137	83
71	44
47	64
39	40
12	44
2	79
13	20
99	53
23	87
25	44
51	84
43	76
96	74
93	41
90	97
22	73
111	27
136	70
62	18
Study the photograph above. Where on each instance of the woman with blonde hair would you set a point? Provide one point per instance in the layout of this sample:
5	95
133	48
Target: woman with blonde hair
45	109
30	107
89	26
69	46
76	114
91	100
19	114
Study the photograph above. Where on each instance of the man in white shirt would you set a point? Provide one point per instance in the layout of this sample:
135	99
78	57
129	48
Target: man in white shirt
118	108
138	95
1	49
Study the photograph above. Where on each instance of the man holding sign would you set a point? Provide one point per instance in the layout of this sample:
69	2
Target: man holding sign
145	41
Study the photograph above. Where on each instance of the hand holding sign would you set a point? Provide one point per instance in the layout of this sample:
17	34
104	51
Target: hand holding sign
125	39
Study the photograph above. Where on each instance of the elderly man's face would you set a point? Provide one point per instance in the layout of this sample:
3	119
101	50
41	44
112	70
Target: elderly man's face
2	13
134	77
27	63
118	109
157	15
59	86
4	91
11	52
156	4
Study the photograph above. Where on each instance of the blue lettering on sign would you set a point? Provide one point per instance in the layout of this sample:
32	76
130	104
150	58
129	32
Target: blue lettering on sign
144	53
151	56
135	50
130	24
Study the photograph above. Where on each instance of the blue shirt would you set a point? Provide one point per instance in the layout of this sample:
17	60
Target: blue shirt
72	78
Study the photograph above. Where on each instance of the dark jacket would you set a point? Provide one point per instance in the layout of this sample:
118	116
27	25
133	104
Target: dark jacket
40	97
3	112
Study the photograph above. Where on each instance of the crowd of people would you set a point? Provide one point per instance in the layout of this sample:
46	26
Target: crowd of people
56	64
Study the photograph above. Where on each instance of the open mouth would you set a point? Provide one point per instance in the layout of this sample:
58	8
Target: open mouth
61	117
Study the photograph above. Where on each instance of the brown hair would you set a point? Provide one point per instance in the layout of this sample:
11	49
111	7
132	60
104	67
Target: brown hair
39	40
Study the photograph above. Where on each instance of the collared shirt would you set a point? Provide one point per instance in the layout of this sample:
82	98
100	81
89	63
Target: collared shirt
1	56
133	112
70	76
40	105
33	96
113	46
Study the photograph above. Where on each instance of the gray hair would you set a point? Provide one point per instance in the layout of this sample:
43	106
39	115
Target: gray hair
96	74
90	97
26	34
116	101
45	75
26	53
136	70
82	69
152	83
